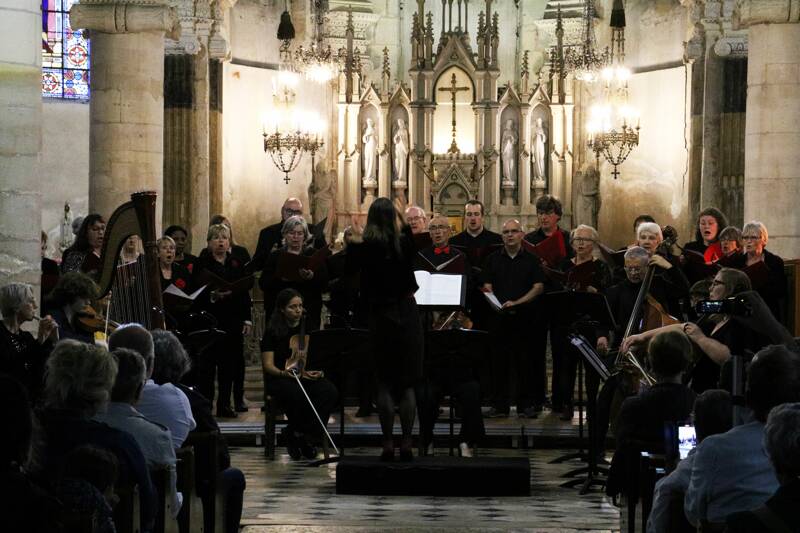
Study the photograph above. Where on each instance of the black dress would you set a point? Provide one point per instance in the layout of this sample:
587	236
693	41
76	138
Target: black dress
188	262
23	357
177	311
387	287
287	392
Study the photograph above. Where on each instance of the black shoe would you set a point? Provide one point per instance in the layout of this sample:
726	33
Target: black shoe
241	408
495	413
530	412
567	413
406	454
292	443
364	412
308	450
387	455
226	412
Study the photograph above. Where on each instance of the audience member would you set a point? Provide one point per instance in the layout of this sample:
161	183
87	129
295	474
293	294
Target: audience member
86	488
780	512
154	439
164	404
24	505
640	423
713	414
731	472
77	387
171	363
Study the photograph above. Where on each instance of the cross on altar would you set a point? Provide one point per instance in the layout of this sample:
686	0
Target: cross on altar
453	90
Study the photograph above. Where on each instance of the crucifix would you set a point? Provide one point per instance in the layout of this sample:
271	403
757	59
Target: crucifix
453	90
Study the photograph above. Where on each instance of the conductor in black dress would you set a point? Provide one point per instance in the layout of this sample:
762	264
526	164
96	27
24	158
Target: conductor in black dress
385	257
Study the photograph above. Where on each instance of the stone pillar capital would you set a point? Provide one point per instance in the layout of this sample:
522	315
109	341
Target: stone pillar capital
123	17
751	12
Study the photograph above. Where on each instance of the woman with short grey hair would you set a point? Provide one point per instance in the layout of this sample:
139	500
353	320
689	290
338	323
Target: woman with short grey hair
764	268
22	355
283	271
171	359
78	385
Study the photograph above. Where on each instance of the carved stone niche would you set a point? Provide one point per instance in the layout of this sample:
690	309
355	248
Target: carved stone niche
455	170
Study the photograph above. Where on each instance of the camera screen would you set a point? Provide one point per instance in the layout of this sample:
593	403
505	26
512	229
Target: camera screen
687	440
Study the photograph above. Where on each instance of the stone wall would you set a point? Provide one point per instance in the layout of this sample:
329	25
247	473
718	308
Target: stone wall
65	162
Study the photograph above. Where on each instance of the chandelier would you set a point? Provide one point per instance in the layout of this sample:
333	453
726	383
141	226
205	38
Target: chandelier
319	63
290	132
610	128
584	60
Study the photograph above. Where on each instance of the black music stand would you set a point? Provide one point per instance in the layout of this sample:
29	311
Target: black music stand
457	353
334	351
583	311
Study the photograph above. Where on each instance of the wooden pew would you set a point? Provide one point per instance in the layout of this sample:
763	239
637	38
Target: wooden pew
161	481
127	513
206	453
190	517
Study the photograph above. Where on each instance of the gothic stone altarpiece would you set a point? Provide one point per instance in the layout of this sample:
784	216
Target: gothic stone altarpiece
508	144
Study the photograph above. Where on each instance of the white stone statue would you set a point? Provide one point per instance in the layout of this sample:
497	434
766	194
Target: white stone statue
587	200
539	150
370	140
508	143
400	140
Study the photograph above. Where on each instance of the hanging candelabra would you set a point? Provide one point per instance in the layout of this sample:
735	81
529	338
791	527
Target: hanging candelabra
319	63
585	61
611	130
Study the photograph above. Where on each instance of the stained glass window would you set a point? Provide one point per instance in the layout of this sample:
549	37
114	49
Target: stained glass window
65	54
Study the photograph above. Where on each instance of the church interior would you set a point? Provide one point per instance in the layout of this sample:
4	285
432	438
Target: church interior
614	108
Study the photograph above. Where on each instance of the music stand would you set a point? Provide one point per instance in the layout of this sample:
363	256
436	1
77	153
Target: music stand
582	311
335	351
456	352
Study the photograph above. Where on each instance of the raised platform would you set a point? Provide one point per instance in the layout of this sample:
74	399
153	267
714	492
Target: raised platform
434	476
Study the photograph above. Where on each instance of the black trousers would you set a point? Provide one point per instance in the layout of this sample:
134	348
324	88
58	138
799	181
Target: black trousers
514	364
225	359
291	399
468	404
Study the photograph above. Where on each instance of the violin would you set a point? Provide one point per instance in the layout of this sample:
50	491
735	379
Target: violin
90	321
296	364
454	320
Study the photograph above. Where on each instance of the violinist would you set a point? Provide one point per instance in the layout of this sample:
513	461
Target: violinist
705	248
70	300
674	282
84	254
180	235
594	276
311	283
717	336
21	354
303	428
233	313
764	268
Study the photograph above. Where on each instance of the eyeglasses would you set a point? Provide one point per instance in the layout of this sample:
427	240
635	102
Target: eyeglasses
292	212
438	228
633	269
414	219
511	231
751	237
715	282
582	240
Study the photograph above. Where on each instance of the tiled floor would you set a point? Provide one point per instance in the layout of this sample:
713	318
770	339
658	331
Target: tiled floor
285	496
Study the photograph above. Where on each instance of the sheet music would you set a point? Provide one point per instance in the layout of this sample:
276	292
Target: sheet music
439	289
172	289
493	300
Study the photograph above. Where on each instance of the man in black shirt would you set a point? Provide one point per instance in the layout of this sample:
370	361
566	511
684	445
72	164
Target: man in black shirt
516	279
270	237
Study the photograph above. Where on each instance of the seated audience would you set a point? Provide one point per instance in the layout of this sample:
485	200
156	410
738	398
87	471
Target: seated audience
713	414
22	355
780	512
77	387
171	363
640	422
155	440
24	505
164	404
731	471
86	488
72	294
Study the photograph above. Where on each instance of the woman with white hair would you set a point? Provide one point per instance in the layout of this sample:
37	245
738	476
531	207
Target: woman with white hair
232	309
285	270
650	237
78	386
764	268
22	355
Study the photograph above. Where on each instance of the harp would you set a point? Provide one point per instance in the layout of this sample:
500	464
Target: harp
135	289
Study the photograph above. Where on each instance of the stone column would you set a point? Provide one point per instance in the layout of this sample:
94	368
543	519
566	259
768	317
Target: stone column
772	138
713	81
199	162
127	111
20	142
